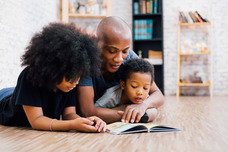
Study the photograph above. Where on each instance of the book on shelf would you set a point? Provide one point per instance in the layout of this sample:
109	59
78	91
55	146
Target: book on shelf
155	6
145	7
154	61
136	8
126	128
143	29
197	16
191	17
154	54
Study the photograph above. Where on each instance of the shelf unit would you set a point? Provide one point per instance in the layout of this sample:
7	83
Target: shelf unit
208	53
65	14
155	43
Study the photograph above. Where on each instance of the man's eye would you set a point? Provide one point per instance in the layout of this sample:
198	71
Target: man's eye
125	51
110	51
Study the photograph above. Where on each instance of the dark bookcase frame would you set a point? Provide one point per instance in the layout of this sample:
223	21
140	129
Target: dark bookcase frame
155	44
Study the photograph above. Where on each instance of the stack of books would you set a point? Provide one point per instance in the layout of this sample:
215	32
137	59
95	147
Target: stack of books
155	57
146	7
143	29
191	17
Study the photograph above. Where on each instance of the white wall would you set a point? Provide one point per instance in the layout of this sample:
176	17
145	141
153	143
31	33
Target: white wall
19	20
170	22
220	42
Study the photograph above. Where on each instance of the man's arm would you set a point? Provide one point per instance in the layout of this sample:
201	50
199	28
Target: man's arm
86	107
134	112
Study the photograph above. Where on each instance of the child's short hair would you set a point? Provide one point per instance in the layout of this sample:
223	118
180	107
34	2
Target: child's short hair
136	65
58	51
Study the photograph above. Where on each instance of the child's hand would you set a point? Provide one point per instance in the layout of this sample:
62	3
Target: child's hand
99	124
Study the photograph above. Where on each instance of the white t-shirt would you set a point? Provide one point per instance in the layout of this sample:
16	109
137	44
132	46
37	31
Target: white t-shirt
111	98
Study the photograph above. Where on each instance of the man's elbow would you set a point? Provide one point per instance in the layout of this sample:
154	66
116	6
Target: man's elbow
87	112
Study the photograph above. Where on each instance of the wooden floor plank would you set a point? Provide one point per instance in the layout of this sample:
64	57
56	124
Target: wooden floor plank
203	120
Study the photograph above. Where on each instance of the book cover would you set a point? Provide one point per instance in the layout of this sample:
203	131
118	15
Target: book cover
192	17
195	19
126	128
151	6
136	8
197	16
188	17
155	6
200	16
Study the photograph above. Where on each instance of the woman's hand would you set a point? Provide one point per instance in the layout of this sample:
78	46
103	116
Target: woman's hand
90	124
99	124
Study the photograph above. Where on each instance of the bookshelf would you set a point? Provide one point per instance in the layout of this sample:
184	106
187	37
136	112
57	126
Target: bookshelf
147	28
203	26
69	10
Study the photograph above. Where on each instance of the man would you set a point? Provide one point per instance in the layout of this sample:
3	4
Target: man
114	38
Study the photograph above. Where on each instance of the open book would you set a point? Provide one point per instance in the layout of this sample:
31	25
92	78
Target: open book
123	128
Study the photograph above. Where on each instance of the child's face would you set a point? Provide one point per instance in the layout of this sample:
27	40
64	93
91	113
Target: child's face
137	86
67	86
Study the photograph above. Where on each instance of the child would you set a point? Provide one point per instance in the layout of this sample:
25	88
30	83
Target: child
56	59
135	80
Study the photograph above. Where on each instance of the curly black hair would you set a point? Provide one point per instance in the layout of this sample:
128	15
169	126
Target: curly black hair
61	50
136	65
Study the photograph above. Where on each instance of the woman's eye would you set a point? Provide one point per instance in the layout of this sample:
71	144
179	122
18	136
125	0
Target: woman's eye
134	86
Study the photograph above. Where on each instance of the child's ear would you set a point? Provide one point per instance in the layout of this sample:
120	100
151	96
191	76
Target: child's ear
122	84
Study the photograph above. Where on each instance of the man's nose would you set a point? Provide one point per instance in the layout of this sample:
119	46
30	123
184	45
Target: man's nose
119	57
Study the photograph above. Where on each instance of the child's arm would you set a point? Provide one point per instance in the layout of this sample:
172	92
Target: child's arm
39	121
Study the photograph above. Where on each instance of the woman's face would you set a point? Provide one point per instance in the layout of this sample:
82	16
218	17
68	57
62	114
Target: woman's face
115	48
67	86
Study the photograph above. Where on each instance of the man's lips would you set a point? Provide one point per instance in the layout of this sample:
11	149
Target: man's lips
115	66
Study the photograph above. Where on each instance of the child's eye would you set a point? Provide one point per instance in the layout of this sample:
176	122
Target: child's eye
145	88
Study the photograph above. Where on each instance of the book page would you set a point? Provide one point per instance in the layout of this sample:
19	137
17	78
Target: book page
120	127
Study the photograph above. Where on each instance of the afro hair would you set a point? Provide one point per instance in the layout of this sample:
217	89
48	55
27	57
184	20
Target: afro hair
61	50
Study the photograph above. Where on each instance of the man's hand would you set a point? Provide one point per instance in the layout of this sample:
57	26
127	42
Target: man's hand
133	112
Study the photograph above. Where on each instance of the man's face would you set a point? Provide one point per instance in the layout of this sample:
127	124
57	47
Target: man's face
115	49
67	86
137	86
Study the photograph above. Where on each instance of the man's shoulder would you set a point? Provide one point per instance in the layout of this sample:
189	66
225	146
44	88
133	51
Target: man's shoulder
131	54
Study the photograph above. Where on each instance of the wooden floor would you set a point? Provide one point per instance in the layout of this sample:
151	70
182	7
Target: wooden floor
203	120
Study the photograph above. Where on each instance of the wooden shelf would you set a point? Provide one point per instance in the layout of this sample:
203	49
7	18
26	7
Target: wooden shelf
195	53
86	15
155	44
66	15
194	84
154	39
209	57
194	24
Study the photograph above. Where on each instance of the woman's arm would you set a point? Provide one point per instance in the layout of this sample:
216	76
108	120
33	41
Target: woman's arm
134	112
86	107
38	121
